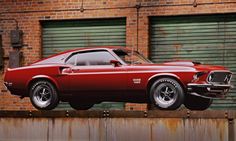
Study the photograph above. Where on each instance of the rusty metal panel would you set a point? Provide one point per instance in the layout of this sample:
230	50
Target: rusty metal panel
22	129
113	129
132	129
209	39
71	129
144	129
168	129
206	130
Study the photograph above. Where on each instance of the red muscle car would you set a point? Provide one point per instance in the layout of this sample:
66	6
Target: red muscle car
84	77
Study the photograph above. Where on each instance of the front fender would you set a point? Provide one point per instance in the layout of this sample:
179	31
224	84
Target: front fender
162	75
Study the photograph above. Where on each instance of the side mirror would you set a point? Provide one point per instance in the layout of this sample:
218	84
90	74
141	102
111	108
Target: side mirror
115	63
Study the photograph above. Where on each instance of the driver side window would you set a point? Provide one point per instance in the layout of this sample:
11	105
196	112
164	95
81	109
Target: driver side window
91	58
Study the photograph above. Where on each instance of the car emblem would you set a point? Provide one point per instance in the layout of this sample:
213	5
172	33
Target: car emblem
137	80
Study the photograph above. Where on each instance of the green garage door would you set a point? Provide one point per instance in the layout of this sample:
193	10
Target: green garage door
58	36
63	35
210	39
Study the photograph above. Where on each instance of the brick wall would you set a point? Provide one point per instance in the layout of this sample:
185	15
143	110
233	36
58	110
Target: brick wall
29	13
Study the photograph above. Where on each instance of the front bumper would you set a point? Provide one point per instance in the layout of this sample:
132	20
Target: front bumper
208	90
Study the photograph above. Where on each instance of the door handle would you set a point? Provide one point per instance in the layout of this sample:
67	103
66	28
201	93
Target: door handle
75	69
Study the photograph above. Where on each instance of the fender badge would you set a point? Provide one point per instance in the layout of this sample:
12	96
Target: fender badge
136	80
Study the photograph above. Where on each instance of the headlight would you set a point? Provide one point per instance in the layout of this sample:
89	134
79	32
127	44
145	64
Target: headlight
210	77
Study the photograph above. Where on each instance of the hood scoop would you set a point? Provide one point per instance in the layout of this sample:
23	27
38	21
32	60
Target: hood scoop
182	63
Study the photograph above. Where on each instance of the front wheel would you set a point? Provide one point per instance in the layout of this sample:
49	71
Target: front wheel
167	94
193	102
43	95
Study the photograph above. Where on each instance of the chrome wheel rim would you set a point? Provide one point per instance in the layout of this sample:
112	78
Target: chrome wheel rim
42	96
165	95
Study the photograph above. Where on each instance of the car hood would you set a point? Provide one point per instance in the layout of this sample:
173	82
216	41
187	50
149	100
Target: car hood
185	65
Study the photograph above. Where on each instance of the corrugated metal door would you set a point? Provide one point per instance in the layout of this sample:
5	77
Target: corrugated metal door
210	39
63	35
58	36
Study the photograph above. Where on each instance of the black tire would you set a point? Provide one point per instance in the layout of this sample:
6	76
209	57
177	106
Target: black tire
43	95
193	102
80	106
166	94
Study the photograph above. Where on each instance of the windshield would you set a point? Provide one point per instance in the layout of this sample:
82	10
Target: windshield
132	58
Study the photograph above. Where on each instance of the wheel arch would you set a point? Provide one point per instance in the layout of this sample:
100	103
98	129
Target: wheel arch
41	77
152	79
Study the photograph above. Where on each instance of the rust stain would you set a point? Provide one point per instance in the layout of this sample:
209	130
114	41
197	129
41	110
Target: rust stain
212	128
172	124
56	50
11	123
177	50
87	38
221	126
162	31
151	126
70	131
101	128
15	123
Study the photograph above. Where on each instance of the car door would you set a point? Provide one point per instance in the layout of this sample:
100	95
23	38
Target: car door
92	71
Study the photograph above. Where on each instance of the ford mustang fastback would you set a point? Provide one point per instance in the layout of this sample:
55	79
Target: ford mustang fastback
87	76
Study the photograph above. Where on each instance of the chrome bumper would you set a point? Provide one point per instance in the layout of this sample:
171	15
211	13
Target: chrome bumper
208	90
7	85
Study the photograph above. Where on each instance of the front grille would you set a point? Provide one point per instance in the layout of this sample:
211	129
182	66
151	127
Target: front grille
219	77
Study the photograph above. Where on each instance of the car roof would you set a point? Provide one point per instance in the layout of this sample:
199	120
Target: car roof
97	48
85	49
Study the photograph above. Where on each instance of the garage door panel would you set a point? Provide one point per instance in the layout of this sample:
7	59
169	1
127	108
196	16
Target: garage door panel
210	39
93	41
81	44
196	53
82	33
83	27
87	30
195	34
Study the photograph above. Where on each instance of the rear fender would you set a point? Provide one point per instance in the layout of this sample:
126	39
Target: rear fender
44	77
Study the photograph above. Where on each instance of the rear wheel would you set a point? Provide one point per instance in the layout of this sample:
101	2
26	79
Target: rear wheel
43	95
166	94
80	106
193	102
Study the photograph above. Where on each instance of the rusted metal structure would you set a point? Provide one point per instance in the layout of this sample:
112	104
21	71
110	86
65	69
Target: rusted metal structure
118	125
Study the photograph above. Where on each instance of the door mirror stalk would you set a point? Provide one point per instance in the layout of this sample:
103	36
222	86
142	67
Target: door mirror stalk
115	63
